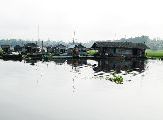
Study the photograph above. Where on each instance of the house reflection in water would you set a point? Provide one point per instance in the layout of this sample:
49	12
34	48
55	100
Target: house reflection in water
106	65
32	62
59	61
77	62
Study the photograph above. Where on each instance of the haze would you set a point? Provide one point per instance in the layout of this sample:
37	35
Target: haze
91	19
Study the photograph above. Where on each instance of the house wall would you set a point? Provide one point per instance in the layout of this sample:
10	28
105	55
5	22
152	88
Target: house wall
114	51
141	53
17	49
49	50
31	49
62	50
73	51
108	52
70	51
122	51
5	48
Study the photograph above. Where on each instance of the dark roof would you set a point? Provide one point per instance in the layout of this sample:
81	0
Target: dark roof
5	46
120	45
76	46
60	45
17	46
80	46
30	45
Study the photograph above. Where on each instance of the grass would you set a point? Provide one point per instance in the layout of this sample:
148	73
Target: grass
92	52
154	53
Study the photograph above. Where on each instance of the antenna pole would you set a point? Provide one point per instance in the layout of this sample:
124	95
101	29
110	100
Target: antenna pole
38	30
74	38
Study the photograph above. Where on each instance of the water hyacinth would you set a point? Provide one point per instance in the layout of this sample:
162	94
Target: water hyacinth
115	78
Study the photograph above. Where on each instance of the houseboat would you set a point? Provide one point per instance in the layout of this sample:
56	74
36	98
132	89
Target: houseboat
120	49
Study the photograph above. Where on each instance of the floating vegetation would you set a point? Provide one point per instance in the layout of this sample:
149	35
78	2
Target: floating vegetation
112	76
115	78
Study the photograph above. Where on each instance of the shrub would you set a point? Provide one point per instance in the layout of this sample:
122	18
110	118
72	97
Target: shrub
1	51
92	52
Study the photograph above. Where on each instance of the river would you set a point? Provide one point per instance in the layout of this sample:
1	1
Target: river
81	90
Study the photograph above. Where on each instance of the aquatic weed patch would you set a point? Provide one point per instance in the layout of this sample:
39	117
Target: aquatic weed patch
118	79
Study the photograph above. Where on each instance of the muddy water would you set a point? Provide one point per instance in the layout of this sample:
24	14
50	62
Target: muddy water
81	90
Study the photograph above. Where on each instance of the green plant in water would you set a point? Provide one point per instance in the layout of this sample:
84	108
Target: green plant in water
116	78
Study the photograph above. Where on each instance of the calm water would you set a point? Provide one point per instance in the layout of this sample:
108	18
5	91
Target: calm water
81	90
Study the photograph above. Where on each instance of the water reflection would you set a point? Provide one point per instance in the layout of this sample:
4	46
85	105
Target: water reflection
77	62
109	65
115	70
32	62
119	65
108	69
59	61
104	65
56	93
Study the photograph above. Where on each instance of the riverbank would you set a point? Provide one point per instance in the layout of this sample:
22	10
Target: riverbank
154	54
149	54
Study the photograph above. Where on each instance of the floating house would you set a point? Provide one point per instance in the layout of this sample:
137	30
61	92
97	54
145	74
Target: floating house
82	50
76	50
50	49
17	48
72	50
6	48
31	48
60	49
120	49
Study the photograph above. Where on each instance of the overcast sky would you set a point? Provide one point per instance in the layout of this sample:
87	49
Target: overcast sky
91	19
